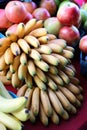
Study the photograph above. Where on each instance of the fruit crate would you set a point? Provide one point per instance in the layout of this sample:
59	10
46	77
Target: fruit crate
83	64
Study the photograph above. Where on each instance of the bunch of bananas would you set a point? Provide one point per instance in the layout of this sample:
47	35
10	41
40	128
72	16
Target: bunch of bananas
41	63
13	111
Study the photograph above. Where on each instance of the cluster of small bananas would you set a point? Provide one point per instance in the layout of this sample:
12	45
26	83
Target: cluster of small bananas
13	111
32	57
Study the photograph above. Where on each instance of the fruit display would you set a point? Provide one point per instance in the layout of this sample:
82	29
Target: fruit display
39	65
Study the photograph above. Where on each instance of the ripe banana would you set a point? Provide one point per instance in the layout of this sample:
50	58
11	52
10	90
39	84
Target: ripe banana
41	75
31	67
65	115
46	103
29	25
2	63
20	31
38	32
29	80
14	66
12	36
10	122
2	126
53	70
43	116
22	71
21	91
40	83
70	48
42	65
71	67
55	102
51	84
55	47
50	59
24	45
8	56
5	41
55	117
62	60
67	54
44	49
15	49
43	39
39	24
11	105
23	58
51	36
35	55
32	41
69	71
35	101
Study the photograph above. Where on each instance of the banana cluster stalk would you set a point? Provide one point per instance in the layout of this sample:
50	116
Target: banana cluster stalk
40	66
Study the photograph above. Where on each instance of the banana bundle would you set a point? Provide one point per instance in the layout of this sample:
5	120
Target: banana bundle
41	63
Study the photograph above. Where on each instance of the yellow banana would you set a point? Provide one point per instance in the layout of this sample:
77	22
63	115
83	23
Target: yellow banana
22	71
21	91
55	117
64	77
55	48
55	102
39	24
65	102
53	70
41	75
15	48
60	42
74	80
2	63
11	105
50	59
44	49
71	97
23	58
12	36
35	55
20	31
29	80
8	75
24	46
73	88
70	48
31	68
51	84
5	41
39	83
38	32
33	41
43	39
22	115
14	66
57	79
62	60
16	82
2	126
35	101
28	94
71	67
46	103
51	36
73	109
65	115
32	117
69	71
80	97
8	56
42	65
10	122
43	116
67	54
29	25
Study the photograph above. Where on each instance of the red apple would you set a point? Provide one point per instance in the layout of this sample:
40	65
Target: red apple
52	25
69	33
15	11
68	13
4	22
41	13
83	44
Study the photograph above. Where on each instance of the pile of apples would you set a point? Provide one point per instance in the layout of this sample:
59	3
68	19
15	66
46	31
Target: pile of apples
61	18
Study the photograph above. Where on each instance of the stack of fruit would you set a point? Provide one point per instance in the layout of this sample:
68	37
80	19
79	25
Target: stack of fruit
39	65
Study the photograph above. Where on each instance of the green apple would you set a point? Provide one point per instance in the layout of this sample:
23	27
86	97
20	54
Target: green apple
52	25
83	14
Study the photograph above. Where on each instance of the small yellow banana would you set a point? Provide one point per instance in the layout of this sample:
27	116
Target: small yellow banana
22	71
43	39
15	48
8	75
21	91
8	56
39	24
23	58
70	48
24	45
2	63
29	80
67	54
51	36
12	36
20	31
55	117
53	70
33	41
69	71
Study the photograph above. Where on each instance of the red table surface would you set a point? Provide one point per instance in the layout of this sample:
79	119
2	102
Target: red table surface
76	122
